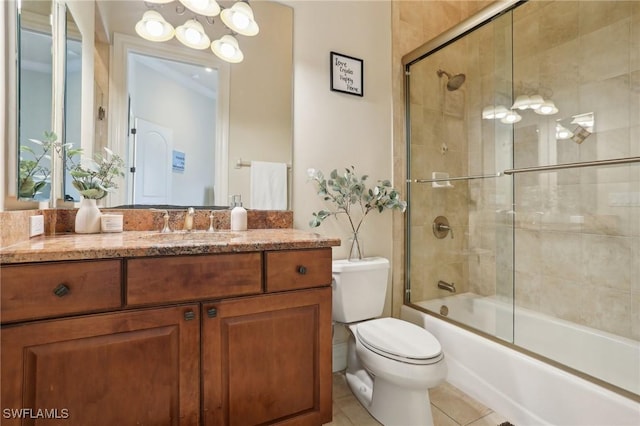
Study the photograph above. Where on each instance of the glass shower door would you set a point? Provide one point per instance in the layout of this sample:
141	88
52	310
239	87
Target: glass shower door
460	217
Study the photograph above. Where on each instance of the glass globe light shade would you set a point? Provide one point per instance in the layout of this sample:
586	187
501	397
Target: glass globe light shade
239	18
192	35
227	49
153	27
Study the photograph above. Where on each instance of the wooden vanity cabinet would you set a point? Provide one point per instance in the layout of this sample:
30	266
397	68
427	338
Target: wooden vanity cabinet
267	359
125	368
224	339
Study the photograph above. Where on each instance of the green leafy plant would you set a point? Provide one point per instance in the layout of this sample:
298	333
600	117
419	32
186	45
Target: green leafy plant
33	175
351	197
98	176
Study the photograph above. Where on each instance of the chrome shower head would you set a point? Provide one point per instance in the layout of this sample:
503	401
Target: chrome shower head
453	82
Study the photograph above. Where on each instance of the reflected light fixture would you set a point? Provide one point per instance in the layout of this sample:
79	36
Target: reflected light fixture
522	102
511	117
153	27
535	102
227	49
238	18
547	108
562	132
192	35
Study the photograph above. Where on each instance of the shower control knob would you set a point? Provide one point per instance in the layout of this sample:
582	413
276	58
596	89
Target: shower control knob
441	227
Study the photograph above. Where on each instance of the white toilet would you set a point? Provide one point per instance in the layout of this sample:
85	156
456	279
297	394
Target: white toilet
390	363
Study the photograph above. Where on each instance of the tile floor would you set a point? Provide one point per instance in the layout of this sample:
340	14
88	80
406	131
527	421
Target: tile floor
449	405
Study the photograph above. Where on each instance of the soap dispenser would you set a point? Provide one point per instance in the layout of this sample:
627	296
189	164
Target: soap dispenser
238	215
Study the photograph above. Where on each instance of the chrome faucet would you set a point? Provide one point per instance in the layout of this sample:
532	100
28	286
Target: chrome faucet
165	228
188	219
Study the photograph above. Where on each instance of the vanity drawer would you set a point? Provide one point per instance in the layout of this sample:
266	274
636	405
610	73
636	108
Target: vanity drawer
45	290
181	278
296	269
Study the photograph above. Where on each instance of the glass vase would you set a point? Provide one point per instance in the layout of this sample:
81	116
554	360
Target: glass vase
356	249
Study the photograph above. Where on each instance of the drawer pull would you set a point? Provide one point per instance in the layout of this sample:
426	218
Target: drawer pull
212	312
189	315
302	270
61	290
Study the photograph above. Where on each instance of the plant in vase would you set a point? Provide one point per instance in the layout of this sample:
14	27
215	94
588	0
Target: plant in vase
94	181
33	175
350	196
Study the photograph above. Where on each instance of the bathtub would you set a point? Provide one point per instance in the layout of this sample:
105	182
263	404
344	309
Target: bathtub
525	390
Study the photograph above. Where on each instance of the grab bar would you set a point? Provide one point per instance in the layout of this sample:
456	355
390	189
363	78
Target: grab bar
611	162
454	178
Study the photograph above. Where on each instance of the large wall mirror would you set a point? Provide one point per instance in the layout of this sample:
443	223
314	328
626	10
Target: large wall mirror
248	117
195	116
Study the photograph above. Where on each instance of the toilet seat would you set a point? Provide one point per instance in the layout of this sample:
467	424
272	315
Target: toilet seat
399	340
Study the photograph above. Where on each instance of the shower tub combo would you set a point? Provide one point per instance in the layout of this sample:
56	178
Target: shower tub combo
522	232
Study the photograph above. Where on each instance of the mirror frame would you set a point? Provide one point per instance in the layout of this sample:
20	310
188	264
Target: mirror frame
118	103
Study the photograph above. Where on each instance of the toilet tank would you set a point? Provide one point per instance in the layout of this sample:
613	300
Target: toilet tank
359	289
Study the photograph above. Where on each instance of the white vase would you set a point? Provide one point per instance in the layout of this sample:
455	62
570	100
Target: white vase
88	217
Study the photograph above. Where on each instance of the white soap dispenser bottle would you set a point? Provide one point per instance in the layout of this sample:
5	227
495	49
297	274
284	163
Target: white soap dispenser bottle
238	215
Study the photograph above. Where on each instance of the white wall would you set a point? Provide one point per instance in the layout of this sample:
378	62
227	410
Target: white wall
335	130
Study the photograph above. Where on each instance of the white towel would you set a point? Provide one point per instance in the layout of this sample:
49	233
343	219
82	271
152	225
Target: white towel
268	186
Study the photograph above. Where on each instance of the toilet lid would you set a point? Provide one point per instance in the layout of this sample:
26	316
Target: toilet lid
399	340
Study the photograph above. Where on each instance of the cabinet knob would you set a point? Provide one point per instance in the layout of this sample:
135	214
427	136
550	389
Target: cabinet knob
61	290
302	270
189	315
212	312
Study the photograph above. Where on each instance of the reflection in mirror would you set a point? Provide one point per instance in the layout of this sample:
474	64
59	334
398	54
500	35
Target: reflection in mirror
179	135
72	97
252	120
34	99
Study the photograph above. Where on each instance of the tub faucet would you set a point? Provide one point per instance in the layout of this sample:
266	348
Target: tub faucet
451	287
188	219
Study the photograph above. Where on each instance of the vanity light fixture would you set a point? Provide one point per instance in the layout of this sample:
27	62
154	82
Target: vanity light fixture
227	49
238	18
202	7
192	35
153	27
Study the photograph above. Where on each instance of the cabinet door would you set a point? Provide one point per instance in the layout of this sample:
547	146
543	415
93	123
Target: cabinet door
268	359
127	368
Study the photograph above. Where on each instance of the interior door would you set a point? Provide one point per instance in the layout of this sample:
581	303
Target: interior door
151	163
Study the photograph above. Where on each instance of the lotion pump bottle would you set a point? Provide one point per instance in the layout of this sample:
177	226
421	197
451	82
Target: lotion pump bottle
238	215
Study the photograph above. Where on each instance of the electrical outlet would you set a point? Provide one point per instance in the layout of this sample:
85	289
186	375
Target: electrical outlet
36	225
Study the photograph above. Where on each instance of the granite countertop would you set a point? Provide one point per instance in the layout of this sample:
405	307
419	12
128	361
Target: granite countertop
152	243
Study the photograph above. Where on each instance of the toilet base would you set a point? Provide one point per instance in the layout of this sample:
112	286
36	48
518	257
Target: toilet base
390	405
